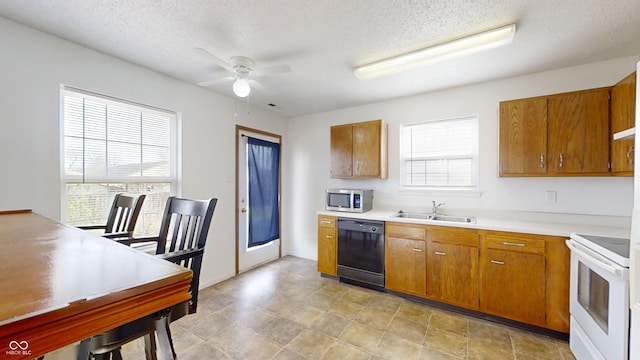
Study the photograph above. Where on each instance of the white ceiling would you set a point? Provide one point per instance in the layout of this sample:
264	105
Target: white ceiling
322	40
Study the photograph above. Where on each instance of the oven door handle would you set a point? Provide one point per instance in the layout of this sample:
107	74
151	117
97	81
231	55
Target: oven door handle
596	259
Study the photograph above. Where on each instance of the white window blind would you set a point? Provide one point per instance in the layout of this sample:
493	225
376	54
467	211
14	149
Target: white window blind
440	154
111	146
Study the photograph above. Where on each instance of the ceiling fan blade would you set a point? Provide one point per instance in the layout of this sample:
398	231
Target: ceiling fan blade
268	70
215	81
214	58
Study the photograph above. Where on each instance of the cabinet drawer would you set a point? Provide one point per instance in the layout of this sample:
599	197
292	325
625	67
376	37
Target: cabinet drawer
326	221
514	243
406	231
453	236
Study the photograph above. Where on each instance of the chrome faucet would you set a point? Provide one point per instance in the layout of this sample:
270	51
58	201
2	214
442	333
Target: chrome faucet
435	208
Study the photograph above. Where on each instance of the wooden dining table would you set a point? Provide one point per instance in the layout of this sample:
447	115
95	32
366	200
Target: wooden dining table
59	284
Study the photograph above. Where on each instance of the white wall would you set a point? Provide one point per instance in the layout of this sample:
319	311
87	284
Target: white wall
586	195
33	65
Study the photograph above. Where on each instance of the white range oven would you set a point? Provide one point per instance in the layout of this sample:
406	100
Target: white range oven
599	297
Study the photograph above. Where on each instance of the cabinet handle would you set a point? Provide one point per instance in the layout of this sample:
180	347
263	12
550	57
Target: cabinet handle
326	222
541	160
329	236
358	167
417	250
512	244
440	253
561	160
630	155
497	262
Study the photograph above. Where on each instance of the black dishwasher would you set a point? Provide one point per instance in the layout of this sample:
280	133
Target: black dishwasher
361	252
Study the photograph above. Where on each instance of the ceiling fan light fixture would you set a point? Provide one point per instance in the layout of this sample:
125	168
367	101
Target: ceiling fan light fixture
241	87
445	51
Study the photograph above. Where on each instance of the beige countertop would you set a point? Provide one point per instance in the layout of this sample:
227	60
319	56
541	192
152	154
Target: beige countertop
521	222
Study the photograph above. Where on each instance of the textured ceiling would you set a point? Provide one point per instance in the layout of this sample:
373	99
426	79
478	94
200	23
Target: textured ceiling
323	40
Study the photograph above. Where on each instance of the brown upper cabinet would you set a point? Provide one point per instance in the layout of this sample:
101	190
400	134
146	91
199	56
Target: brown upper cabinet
359	150
623	112
557	135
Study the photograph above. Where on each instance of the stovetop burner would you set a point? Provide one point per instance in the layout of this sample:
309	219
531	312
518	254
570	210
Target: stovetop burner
616	249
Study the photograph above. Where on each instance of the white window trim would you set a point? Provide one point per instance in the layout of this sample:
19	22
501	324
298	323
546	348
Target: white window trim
450	191
176	144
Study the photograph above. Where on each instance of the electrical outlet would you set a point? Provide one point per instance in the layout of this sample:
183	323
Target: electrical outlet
551	197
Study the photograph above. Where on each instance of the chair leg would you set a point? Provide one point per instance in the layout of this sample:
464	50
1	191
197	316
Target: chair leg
150	346
83	349
116	354
164	339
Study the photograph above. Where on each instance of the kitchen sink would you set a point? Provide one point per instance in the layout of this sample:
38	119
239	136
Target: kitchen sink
434	217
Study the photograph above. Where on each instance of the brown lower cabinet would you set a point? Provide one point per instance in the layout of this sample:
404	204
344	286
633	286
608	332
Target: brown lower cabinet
405	259
327	245
520	277
452	263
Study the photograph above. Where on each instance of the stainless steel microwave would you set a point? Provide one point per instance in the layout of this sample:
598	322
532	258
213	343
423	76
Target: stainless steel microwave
349	200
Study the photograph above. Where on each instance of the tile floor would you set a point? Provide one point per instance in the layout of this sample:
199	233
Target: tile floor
285	310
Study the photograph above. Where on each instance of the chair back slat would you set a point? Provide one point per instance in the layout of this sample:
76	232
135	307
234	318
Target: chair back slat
124	213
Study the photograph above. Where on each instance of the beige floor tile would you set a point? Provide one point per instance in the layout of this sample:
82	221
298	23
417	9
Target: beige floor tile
330	324
311	344
414	312
333	290
320	301
495	334
374	318
446	342
395	348
342	351
530	345
432	354
282	331
357	296
203	351
485	350
287	354
345	309
408	330
448	322
361	336
385	302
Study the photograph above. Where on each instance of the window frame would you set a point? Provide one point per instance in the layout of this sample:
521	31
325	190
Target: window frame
174	148
472	190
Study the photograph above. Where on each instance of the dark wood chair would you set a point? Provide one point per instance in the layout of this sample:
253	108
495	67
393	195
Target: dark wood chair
122	218
182	237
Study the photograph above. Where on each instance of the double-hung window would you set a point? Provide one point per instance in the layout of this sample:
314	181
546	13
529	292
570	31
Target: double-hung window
111	146
440	154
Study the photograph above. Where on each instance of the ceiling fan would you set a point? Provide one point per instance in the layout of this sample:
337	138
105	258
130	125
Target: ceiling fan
242	69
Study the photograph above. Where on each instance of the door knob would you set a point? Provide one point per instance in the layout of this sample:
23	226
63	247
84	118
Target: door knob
244	210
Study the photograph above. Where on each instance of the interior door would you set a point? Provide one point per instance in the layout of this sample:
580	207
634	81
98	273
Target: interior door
246	257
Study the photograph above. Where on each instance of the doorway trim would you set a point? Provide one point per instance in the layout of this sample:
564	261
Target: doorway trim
240	128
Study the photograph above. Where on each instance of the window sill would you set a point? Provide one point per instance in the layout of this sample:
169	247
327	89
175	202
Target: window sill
453	192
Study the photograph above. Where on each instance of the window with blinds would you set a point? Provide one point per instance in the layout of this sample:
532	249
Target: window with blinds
440	154
112	146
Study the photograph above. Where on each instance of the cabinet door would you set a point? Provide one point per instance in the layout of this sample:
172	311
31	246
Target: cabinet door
623	98
366	149
513	285
341	151
523	137
327	251
405	266
452	274
579	132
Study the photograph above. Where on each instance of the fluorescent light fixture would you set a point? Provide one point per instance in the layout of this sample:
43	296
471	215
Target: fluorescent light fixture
445	51
241	87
